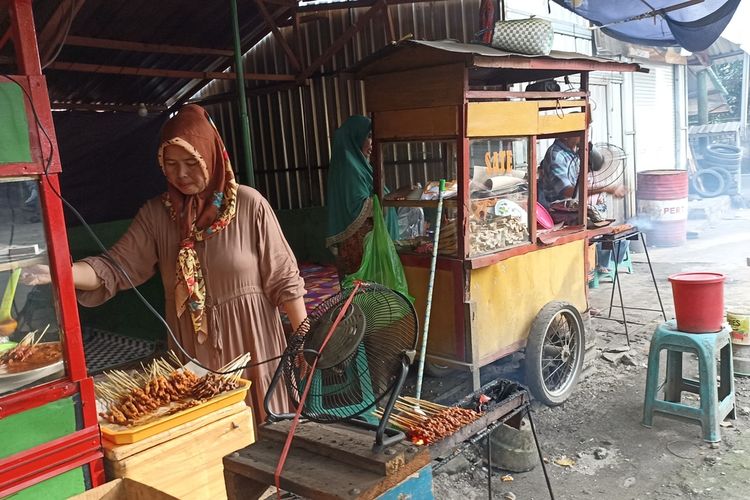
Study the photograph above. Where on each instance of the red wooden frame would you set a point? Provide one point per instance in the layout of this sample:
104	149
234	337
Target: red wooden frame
84	446
51	459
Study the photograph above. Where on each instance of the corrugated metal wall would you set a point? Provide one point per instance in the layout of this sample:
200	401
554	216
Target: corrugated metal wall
292	129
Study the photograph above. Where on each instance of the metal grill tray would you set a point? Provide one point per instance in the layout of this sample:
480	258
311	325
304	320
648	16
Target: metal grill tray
105	350
508	398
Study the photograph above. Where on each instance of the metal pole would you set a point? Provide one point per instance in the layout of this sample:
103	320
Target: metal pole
702	97
239	69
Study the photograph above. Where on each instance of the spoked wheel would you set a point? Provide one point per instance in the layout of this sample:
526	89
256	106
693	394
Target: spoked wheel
437	369
554	353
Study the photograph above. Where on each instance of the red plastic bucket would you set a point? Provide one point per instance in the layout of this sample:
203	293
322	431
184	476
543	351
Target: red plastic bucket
698	301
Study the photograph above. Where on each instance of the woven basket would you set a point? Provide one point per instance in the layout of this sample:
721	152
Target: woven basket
533	36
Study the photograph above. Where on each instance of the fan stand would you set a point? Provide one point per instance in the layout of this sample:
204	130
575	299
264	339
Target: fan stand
384	436
387	436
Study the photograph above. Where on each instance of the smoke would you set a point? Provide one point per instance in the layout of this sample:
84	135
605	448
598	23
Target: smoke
641	222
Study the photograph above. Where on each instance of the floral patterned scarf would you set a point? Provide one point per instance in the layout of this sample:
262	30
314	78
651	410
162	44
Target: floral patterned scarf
200	216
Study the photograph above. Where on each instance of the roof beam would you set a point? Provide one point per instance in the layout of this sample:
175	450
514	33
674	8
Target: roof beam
162	73
259	31
127	108
278	35
344	38
104	43
55	31
354	4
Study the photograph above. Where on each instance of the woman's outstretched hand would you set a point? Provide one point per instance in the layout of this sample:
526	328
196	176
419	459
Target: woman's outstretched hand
37	274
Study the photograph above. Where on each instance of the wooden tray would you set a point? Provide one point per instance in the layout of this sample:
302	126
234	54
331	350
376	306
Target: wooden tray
119	434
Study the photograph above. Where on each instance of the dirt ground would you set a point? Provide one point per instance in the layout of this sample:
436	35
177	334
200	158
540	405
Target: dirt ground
612	455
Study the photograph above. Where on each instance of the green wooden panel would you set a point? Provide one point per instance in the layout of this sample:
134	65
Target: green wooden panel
305	230
14	127
124	314
40	425
62	486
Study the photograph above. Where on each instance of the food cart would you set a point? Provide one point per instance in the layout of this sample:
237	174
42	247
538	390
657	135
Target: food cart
444	110
48	423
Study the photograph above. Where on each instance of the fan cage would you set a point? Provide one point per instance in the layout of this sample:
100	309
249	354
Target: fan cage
360	380
613	168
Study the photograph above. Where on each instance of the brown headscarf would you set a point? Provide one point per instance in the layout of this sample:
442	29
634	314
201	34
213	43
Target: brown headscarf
201	215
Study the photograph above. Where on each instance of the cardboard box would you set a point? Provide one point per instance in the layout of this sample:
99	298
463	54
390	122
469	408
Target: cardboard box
123	489
185	461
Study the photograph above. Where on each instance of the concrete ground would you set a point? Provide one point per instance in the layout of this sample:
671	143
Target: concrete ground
594	443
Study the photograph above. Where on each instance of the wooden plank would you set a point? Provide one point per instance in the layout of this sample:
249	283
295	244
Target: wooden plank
314	476
560	103
165	73
157	48
557	123
508	118
117	452
342	444
420	88
419	203
440	121
189	466
240	487
509	94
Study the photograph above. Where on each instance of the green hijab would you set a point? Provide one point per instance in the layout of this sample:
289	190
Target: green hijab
350	183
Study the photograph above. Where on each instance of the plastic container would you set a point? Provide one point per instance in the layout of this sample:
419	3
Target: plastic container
698	301
126	435
543	218
740	323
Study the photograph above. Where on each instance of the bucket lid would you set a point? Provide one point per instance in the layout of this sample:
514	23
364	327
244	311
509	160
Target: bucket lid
697	278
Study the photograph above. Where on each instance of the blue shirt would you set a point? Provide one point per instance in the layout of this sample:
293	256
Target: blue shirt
560	168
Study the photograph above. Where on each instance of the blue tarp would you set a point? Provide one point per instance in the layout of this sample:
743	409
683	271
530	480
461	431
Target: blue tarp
694	27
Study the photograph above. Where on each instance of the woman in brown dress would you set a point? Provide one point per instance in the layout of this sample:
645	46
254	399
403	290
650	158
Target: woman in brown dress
222	257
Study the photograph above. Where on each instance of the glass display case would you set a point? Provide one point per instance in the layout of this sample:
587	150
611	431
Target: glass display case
50	445
499	194
411	170
30	334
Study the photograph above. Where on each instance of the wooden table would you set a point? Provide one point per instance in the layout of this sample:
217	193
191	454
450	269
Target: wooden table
328	462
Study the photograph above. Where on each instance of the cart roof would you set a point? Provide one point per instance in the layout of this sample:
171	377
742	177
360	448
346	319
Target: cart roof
487	64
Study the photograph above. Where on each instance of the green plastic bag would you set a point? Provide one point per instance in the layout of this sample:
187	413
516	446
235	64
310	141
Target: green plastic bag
380	261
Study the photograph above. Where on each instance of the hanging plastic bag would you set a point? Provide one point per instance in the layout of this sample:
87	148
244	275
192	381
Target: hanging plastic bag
380	261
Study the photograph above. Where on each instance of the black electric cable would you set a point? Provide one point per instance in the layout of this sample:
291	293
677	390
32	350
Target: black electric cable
108	256
64	37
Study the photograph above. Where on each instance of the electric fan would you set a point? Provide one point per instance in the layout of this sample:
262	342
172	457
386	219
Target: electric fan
606	165
365	360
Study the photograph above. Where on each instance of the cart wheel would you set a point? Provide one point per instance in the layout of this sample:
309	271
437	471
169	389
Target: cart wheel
437	370
554	352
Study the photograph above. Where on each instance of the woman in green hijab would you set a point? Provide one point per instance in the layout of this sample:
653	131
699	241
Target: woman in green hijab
350	188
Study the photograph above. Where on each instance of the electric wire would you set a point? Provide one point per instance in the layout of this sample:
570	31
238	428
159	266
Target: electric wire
108	256
64	37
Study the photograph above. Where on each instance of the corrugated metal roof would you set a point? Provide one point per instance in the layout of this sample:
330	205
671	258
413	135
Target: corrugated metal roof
411	54
186	23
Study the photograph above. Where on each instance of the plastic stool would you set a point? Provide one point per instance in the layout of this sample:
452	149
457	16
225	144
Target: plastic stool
716	403
624	264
